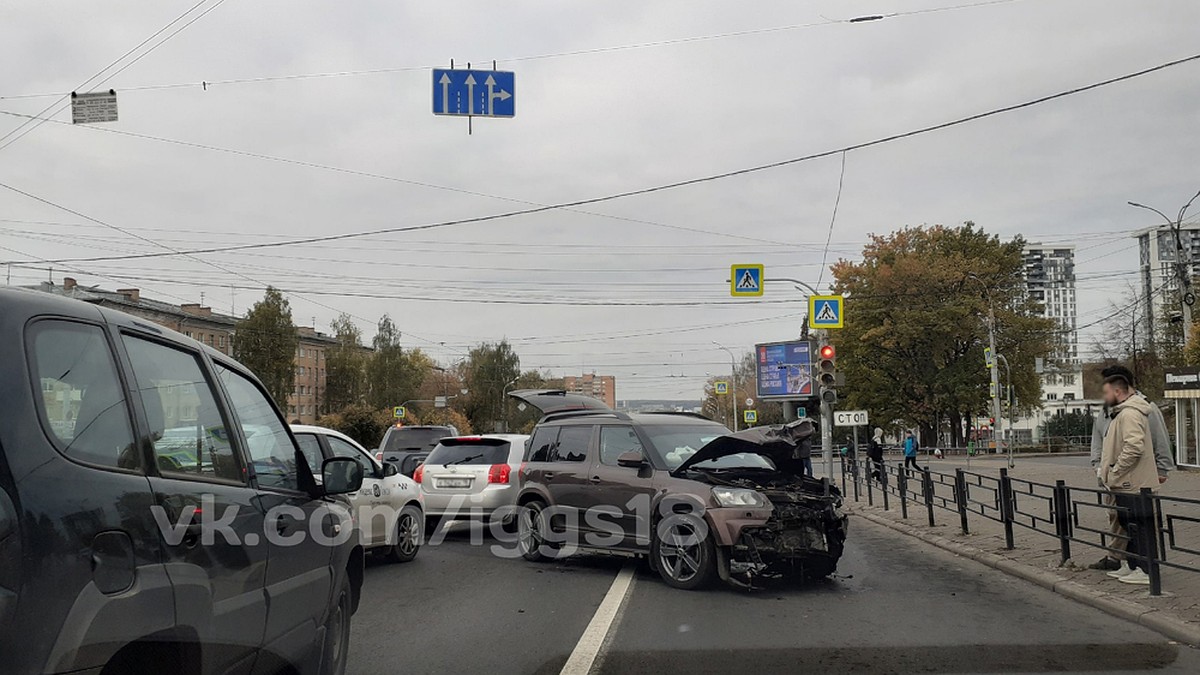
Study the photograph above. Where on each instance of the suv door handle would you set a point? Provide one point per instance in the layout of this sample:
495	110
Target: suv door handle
594	479
547	475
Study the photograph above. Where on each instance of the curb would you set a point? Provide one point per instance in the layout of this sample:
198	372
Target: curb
1150	617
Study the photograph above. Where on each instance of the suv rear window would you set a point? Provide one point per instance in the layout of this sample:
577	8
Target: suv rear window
476	452
413	438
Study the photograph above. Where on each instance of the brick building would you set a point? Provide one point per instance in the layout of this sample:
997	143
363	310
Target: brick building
216	330
603	387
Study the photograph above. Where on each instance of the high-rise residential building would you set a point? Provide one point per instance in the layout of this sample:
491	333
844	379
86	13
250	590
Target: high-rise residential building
1157	255
1050	280
217	331
603	387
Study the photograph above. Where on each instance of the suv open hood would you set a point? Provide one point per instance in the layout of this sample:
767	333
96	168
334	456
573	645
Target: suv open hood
777	442
557	400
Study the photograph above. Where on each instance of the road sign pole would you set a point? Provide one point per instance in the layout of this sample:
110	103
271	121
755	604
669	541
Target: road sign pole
827	436
995	392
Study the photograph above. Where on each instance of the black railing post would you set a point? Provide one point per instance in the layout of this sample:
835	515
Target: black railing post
1148	538
855	475
842	463
1007	508
927	488
1062	517
902	485
960	498
884	477
870	491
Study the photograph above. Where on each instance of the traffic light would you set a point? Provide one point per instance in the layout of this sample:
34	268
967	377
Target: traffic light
827	373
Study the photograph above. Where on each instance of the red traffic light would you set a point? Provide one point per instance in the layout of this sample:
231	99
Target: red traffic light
827	352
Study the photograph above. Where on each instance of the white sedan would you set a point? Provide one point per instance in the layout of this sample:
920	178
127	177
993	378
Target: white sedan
389	507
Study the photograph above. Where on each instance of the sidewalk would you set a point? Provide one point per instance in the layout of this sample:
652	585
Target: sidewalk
1036	555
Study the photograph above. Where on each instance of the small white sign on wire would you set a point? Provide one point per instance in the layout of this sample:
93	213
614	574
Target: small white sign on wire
94	107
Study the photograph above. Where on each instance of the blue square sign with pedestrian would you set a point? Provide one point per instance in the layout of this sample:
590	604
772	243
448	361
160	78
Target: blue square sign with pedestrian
481	93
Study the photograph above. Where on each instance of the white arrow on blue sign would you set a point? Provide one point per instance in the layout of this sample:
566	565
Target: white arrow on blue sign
483	93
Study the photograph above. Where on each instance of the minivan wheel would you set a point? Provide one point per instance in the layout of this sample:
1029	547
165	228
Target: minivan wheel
337	633
408	536
531	532
684	553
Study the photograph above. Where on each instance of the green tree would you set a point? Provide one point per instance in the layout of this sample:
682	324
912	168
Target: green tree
393	374
917	323
345	366
1074	423
265	342
360	422
490	370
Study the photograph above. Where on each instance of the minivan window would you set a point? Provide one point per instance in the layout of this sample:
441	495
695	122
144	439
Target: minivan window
411	438
271	449
468	453
615	441
540	445
81	402
573	444
190	438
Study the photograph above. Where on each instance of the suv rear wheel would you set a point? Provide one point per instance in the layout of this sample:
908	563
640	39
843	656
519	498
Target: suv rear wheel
684	553
532	527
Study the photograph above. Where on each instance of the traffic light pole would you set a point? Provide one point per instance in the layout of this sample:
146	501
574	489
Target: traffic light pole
827	438
994	367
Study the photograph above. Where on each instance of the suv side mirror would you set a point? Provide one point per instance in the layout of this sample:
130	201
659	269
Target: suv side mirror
390	469
633	459
341	475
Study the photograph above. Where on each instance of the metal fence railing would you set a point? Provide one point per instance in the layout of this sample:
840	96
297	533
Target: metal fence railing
1165	531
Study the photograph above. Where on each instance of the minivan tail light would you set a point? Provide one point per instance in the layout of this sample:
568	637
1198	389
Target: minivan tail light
499	473
419	473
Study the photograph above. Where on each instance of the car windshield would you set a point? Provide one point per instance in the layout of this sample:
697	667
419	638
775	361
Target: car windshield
675	443
468	453
411	438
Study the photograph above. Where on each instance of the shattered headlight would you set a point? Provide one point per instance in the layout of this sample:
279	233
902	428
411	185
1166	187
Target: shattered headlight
726	496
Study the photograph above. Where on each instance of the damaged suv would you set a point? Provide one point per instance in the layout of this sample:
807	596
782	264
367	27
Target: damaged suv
699	501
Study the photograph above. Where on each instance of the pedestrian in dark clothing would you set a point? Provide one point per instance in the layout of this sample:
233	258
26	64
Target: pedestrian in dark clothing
804	451
911	448
875	455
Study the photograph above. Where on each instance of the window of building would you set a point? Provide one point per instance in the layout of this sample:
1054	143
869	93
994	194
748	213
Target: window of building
83	404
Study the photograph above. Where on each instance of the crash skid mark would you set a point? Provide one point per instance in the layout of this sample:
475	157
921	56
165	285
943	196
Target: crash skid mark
586	651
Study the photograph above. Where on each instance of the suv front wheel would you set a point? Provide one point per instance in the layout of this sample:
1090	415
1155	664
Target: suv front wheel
683	552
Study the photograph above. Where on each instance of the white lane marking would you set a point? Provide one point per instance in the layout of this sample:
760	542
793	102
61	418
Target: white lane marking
588	648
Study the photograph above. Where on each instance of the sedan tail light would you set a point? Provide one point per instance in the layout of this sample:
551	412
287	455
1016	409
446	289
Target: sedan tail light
419	473
499	473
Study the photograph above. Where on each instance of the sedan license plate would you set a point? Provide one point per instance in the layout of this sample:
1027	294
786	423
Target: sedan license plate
454	482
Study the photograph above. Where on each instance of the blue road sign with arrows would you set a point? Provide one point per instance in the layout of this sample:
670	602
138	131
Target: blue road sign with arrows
483	93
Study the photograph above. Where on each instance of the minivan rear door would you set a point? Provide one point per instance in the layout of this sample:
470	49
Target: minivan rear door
557	400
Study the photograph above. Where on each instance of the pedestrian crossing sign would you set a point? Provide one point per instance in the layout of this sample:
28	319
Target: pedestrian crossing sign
745	280
721	387
826	311
750	416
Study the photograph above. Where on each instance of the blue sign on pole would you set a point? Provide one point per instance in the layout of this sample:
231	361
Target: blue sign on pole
784	370
483	93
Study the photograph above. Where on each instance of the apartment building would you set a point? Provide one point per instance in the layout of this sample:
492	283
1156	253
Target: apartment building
603	387
1158	253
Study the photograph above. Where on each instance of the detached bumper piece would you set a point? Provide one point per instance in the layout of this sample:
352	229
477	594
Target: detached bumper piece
796	540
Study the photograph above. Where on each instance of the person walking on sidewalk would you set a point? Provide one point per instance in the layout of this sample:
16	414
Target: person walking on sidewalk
875	455
1163	459
1126	467
911	448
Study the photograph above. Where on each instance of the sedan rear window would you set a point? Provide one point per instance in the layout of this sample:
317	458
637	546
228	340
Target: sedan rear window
469	453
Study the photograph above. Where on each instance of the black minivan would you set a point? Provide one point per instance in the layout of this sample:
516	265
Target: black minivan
154	516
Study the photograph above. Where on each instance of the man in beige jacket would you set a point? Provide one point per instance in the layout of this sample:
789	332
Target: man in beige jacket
1126	466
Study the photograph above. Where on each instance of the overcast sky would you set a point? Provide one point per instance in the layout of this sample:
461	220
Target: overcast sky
587	125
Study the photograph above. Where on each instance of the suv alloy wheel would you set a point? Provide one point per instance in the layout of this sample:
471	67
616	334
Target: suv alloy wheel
532	526
683	552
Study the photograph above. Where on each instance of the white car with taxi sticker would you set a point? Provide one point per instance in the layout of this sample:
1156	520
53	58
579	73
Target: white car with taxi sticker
389	507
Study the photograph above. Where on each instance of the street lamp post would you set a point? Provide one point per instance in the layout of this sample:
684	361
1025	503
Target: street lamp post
504	402
733	371
1183	262
992	366
1012	419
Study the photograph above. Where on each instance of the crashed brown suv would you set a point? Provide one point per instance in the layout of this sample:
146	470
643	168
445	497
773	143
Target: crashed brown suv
699	501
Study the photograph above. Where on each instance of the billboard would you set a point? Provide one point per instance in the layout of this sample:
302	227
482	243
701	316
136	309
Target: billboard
784	369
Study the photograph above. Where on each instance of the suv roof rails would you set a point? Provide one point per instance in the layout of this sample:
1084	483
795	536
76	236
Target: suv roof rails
567	414
683	413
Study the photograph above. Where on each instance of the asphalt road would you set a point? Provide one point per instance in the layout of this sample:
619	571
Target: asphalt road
896	606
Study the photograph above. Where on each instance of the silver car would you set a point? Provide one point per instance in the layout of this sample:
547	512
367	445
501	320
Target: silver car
470	477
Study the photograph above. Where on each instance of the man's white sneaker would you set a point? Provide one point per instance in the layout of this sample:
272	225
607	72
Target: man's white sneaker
1136	577
1123	571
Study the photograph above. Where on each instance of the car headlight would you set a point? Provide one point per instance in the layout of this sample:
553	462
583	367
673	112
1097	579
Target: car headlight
725	496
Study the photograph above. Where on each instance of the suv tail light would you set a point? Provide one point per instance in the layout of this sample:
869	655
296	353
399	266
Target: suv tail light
419	473
499	473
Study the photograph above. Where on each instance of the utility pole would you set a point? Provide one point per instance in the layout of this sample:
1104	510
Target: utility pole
993	366
733	371
1183	263
1012	423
